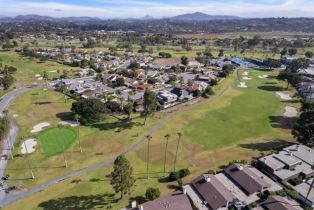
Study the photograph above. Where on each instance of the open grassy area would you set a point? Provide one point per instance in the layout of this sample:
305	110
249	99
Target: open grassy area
57	140
238	125
100	141
29	67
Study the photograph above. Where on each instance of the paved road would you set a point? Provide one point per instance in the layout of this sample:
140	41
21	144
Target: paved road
11	198
5	102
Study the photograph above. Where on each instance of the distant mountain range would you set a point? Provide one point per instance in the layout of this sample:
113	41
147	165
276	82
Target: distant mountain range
197	16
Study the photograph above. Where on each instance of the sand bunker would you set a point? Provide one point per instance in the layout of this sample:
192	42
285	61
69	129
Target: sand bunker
39	127
30	145
284	95
245	73
242	85
52	71
246	78
40	78
37	75
290	111
70	123
15	115
265	76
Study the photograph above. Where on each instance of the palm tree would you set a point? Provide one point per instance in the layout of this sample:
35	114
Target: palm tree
175	158
149	138
167	136
77	117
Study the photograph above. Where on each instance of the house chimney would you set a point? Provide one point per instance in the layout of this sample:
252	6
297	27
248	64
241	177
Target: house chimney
184	190
207	178
239	167
141	207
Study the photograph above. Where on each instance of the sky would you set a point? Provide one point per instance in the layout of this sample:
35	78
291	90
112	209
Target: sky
157	8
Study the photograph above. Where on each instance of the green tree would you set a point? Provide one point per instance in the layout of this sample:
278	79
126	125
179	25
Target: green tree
122	179
303	130
221	53
309	54
150	104
283	52
289	77
152	193
271	63
90	110
120	81
184	60
128	109
292	51
6	81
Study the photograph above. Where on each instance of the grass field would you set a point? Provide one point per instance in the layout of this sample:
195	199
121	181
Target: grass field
29	67
214	133
57	140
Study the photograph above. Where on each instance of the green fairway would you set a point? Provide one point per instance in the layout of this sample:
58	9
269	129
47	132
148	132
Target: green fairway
56	140
248	116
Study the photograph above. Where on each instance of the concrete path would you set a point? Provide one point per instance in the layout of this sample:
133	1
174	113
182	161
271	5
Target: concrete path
11	198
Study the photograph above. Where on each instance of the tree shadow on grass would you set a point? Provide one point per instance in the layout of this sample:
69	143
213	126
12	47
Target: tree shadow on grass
282	122
64	116
79	202
275	145
118	126
270	88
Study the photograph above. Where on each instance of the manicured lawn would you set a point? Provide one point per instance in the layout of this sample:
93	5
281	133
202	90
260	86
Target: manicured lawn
57	140
247	116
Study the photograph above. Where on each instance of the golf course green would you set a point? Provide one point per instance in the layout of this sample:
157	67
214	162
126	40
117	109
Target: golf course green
58	139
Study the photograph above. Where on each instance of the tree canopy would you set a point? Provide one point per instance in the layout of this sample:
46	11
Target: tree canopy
122	179
303	130
90	110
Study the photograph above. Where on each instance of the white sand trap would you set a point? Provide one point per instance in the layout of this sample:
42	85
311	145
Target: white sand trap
37	75
39	127
265	76
52	71
283	95
30	145
246	78
70	123
40	78
290	111
242	85
15	115
245	73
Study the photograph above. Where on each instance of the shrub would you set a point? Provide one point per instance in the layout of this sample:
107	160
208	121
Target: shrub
152	193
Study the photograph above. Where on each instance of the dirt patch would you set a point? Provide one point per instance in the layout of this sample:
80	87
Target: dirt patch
167	61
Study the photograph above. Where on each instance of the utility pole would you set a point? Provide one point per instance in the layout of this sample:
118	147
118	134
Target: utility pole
28	161
175	159
148	147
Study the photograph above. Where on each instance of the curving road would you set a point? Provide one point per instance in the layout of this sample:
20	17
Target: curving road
5	102
11	198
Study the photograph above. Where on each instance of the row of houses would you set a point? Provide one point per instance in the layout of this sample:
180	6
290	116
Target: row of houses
242	186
